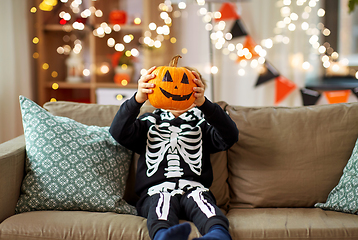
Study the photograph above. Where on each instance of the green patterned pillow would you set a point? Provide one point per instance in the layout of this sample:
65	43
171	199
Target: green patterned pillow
71	166
344	197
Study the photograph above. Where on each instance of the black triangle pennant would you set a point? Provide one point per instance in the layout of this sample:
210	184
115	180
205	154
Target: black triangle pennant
309	96
238	29
269	73
355	91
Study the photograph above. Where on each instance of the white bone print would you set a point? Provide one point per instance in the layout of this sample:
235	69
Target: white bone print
202	203
163	206
174	143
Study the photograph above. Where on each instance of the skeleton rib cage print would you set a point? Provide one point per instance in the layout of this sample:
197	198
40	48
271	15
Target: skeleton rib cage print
177	145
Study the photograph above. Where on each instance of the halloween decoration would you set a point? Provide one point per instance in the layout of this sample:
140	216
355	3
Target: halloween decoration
118	17
173	87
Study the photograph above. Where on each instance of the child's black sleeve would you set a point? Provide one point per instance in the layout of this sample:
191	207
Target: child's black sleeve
126	129
222	132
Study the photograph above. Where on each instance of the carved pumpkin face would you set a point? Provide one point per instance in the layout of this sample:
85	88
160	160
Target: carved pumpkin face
173	88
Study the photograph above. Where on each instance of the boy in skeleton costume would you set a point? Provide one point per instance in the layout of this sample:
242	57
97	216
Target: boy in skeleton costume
174	171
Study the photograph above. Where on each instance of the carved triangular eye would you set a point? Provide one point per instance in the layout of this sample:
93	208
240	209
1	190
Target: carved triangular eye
167	77
185	79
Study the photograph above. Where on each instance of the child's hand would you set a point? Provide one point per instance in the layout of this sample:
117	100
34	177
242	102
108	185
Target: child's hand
199	90
144	87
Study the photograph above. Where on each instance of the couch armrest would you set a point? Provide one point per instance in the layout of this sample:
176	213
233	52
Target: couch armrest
12	163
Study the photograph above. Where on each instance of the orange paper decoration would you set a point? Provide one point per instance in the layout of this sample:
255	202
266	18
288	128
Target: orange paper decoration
283	88
228	12
340	96
249	44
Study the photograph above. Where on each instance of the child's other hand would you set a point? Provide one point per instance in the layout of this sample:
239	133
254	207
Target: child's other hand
144	87
198	90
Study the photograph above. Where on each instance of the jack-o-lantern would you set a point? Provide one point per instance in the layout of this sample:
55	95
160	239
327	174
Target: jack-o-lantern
173	87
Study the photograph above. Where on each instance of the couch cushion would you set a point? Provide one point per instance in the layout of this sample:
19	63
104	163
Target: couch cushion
89	114
293	223
344	197
71	166
76	225
289	157
102	115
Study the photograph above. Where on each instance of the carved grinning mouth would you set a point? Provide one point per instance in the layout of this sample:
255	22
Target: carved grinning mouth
176	97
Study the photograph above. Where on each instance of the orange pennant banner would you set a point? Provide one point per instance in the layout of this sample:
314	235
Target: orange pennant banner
283	88
340	96
250	44
228	12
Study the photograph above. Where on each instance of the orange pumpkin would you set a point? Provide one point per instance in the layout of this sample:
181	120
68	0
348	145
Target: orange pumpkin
122	78
173	87
118	17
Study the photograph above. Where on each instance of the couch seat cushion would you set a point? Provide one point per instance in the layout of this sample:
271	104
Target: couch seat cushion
76	225
292	223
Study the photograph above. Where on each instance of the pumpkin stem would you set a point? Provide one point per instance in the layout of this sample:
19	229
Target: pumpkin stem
174	61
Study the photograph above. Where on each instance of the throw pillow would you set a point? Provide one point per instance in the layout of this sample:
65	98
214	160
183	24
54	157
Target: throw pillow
71	166
343	198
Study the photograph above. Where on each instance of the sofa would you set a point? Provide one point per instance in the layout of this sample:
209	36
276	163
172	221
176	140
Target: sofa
274	183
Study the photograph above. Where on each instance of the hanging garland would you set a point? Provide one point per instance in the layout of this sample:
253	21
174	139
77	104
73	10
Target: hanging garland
283	86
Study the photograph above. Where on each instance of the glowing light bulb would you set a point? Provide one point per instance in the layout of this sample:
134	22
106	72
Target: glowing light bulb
55	86
54	74
306	65
119	97
214	70
45	66
124	82
182	5
35	40
241	72
137	21
152	26
119	47
86	72
321	12
111	42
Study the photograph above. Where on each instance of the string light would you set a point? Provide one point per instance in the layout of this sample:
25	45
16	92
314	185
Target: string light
137	21
45	66
54	74
35	40
36	55
55	86
157	34
119	47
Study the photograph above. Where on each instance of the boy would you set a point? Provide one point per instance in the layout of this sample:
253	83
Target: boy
174	171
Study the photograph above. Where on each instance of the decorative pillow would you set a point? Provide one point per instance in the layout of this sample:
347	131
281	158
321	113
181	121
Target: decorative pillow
71	166
344	197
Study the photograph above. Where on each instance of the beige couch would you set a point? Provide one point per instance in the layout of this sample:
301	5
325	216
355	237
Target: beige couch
286	160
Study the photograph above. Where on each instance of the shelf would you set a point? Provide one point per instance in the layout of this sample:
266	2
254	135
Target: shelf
115	85
69	28
86	85
68	85
95	51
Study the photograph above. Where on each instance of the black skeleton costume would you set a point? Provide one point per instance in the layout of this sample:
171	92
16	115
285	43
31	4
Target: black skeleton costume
174	171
